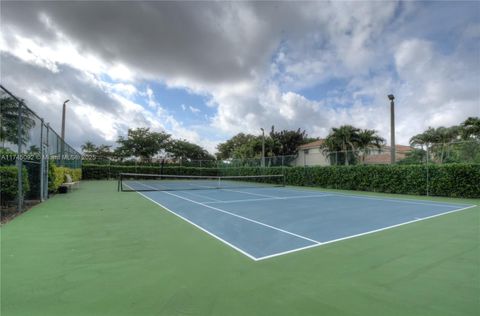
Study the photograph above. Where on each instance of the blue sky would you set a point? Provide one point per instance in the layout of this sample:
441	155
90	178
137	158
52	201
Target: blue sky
204	71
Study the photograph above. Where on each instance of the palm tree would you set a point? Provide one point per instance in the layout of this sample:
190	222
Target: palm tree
424	139
88	147
444	136
342	139
367	140
428	139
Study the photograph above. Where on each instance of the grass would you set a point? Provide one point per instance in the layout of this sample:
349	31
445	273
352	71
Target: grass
99	252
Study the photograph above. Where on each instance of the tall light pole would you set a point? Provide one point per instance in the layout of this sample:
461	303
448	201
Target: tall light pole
263	147
392	129
62	150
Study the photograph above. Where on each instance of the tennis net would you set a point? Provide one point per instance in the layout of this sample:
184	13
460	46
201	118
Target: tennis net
128	182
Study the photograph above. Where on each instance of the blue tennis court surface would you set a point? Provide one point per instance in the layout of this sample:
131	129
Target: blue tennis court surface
265	222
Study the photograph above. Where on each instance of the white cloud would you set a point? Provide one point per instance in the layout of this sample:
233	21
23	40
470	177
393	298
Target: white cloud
194	109
250	61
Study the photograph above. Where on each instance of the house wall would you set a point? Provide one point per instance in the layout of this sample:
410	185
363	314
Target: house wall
311	157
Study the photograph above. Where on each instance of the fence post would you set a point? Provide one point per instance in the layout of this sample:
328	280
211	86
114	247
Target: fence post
42	165
19	159
427	174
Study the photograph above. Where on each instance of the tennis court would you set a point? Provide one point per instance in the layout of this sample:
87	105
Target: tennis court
261	218
97	251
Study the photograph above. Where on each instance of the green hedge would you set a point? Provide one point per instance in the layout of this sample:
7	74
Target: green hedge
99	172
9	183
56	176
454	180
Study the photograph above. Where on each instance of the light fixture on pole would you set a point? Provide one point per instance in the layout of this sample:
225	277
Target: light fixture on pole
392	128
63	132
263	147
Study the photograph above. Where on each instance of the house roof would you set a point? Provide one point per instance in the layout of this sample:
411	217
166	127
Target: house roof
314	144
399	148
384	157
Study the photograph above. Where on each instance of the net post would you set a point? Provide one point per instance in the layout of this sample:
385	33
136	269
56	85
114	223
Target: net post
119	182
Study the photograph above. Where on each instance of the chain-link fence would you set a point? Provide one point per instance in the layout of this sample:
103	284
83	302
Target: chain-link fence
29	150
438	153
458	151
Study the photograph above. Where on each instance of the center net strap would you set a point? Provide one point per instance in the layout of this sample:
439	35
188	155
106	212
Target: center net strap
129	182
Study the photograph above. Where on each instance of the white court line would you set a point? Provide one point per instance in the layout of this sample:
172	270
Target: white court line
268	199
242	217
351	196
256	194
317	243
399	200
203	196
362	234
199	227
236	215
394	200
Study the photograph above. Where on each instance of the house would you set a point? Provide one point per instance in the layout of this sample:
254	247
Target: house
312	154
382	155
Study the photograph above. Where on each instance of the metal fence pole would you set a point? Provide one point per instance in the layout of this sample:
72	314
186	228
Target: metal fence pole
42	165
427	174
19	159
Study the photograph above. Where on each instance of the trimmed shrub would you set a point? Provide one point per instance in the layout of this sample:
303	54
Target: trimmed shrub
454	180
56	176
9	183
99	172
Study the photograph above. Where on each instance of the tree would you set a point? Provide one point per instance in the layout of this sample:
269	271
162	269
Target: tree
286	142
245	146
88	147
444	136
426	138
470	128
436	141
415	156
368	139
343	140
9	121
227	149
142	143
93	152
183	150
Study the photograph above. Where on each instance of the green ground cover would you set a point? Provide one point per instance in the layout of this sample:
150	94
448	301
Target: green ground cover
99	252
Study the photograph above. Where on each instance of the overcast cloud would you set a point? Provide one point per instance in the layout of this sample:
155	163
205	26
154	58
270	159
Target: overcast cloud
309	65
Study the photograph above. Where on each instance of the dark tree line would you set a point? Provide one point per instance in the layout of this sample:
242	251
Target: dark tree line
277	143
143	144
458	143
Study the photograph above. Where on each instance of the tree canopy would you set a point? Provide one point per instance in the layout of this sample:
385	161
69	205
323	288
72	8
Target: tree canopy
143	143
449	144
182	150
346	142
279	143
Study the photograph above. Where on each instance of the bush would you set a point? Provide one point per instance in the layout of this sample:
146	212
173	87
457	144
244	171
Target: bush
9	183
99	172
454	180
56	176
